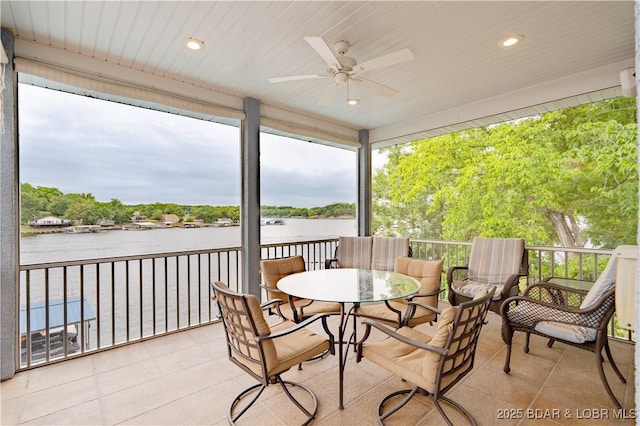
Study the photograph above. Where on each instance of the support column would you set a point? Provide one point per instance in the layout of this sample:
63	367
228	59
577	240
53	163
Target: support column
250	198
9	214
364	205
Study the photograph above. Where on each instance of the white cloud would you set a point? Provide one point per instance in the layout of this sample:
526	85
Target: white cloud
83	145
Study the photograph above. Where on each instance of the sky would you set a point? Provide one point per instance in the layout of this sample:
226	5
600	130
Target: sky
83	145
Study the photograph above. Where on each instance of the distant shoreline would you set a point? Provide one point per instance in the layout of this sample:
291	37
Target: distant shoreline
26	230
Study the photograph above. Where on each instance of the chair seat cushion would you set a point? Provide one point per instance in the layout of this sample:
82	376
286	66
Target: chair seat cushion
318	307
469	288
414	365
568	332
537	317
380	312
294	348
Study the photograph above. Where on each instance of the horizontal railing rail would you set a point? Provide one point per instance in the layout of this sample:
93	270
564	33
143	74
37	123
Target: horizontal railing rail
72	308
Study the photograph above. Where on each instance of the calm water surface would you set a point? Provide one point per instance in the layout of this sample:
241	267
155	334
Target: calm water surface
66	247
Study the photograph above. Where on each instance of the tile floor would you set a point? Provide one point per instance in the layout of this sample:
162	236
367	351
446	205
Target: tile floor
186	379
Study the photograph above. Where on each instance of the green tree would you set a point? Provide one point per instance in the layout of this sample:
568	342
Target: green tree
561	178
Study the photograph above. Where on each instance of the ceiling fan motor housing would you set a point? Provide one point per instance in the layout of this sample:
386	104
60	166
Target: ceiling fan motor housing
341	47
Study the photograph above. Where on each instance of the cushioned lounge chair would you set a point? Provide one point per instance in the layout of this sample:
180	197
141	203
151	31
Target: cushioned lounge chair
432	362
566	313
378	253
266	352
429	274
493	262
293	309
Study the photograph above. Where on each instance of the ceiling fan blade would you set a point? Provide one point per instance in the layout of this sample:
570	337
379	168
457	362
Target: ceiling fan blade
297	77
374	86
329	93
404	55
320	46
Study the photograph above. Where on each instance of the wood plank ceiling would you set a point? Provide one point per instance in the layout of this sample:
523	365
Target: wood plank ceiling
572	52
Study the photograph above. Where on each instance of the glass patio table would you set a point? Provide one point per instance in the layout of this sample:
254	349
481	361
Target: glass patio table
348	286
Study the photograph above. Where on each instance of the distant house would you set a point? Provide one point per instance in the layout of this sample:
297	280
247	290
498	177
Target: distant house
137	217
169	219
49	221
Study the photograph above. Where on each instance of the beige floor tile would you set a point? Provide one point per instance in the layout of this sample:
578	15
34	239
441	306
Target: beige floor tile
60	373
87	413
186	378
10	410
53	399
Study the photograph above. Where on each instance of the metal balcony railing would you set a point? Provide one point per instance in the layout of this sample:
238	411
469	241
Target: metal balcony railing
68	309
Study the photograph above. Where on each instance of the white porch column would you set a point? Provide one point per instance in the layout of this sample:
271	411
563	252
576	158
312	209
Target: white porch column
9	213
364	205
250	196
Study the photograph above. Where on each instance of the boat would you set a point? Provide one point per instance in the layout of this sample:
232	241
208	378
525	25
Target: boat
275	222
80	229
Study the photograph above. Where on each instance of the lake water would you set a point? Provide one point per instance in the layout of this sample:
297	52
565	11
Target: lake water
144	298
65	247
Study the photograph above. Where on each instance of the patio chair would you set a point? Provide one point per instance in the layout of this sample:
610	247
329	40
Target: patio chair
352	252
385	251
493	262
378	253
266	352
293	309
429	274
566	313
432	362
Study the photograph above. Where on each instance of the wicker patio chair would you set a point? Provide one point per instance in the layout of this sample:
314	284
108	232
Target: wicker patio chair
567	314
293	309
266	352
429	274
493	262
432	362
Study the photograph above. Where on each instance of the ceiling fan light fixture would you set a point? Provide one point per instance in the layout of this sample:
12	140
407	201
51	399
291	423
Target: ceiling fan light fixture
511	40
351	101
194	44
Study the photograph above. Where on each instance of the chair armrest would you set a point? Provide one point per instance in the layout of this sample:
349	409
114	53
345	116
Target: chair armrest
433	293
267	305
331	264
456	270
392	334
512	281
425	306
300	325
560	295
411	310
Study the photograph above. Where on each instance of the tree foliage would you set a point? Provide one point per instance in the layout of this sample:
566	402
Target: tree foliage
565	177
42	201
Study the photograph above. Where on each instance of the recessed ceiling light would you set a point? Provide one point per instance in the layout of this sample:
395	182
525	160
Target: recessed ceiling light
195	44
511	40
353	101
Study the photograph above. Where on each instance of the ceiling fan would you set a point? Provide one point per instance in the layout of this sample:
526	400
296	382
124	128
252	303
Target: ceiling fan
343	69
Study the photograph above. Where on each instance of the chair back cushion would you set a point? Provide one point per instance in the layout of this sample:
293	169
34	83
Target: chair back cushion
494	260
431	361
243	321
605	282
458	331
354	252
385	251
427	272
275	269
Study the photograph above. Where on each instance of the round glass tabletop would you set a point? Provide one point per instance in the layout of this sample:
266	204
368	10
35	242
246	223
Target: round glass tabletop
349	285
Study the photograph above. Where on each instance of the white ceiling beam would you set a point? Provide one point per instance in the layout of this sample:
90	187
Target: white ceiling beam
604	77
